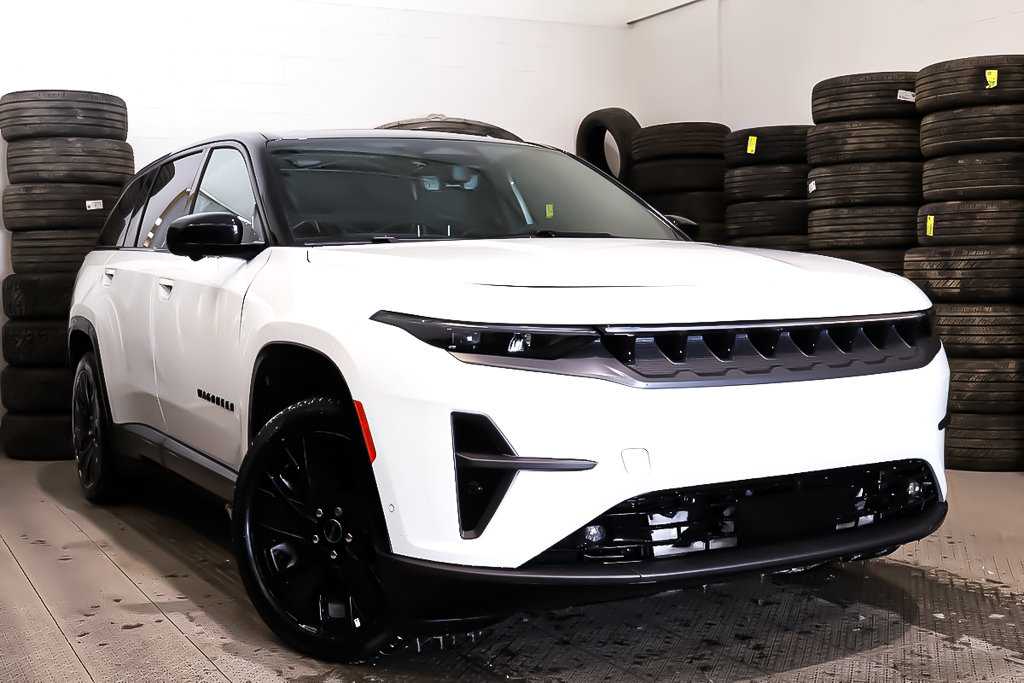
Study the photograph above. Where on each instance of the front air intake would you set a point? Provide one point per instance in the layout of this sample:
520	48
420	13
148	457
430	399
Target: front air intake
480	484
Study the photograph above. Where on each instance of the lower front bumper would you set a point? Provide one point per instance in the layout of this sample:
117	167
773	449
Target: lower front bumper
421	591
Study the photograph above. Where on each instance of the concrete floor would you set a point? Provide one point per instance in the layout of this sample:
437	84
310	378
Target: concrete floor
149	591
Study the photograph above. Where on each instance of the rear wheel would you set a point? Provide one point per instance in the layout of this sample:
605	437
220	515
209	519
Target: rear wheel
306	534
90	429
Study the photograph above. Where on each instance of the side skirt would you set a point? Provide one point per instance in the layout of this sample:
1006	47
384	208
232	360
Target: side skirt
143	442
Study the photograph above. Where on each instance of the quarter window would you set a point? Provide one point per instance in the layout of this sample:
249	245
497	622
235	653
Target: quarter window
226	187
168	199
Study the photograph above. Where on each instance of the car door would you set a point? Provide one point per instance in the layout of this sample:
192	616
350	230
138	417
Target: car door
197	318
126	325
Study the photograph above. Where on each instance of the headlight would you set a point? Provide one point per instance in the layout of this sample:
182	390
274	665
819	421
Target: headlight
517	341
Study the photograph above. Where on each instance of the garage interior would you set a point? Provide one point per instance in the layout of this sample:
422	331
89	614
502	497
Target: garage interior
148	590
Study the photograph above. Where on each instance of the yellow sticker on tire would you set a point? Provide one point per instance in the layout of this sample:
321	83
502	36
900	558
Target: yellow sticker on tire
929	226
992	78
549	210
752	144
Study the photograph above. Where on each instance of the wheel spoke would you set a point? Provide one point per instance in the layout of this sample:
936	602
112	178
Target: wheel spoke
363	585
282	491
321	455
300	589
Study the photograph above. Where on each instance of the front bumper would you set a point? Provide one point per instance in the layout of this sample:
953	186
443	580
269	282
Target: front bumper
681	437
422	591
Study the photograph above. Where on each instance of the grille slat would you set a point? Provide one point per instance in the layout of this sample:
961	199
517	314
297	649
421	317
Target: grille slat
752	513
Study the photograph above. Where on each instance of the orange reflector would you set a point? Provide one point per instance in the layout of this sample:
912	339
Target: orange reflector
365	426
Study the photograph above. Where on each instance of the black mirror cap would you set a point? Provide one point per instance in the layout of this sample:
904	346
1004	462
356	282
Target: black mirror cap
683	225
209	234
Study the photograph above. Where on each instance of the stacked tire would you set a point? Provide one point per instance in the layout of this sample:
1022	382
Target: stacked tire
765	187
679	169
971	258
67	161
864	186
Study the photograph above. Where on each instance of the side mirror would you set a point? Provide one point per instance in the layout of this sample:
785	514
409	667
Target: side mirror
683	225
209	234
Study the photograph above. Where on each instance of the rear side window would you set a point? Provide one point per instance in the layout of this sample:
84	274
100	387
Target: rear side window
168	199
123	222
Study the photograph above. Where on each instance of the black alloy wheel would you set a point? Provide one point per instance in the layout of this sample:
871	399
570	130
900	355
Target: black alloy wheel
306	535
90	422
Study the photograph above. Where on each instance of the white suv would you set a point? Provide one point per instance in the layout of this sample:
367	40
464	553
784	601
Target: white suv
442	378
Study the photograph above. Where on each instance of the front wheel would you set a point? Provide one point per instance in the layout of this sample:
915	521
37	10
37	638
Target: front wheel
306	534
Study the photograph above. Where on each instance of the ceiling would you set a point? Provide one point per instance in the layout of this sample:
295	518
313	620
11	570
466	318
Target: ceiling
593	12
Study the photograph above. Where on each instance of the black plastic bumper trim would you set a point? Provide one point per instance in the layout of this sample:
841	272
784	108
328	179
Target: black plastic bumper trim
701	565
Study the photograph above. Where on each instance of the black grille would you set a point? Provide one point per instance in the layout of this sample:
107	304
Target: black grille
775	352
737	353
747	514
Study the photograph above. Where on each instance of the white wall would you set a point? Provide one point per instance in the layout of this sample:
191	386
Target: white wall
190	69
753	62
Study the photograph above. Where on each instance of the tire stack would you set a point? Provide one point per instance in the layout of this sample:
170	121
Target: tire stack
864	187
679	169
765	186
67	161
971	258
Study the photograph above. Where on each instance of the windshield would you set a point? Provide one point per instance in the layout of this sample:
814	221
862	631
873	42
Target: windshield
367	189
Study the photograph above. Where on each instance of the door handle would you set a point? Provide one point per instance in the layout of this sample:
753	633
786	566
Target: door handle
165	286
108	276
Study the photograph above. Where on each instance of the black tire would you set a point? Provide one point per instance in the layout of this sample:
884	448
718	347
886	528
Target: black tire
991	443
70	160
858	227
443	124
332	483
963	82
677	175
51	251
988	175
889	260
36	437
986	385
35	342
754	183
981	330
844	142
767	145
783	242
696	138
977	274
591	134
33	206
973	129
886	183
697	206
878	95
993	221
36	390
100	470
39	295
62	113
763	219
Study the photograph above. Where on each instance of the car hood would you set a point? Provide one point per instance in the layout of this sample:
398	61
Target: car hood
543	280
